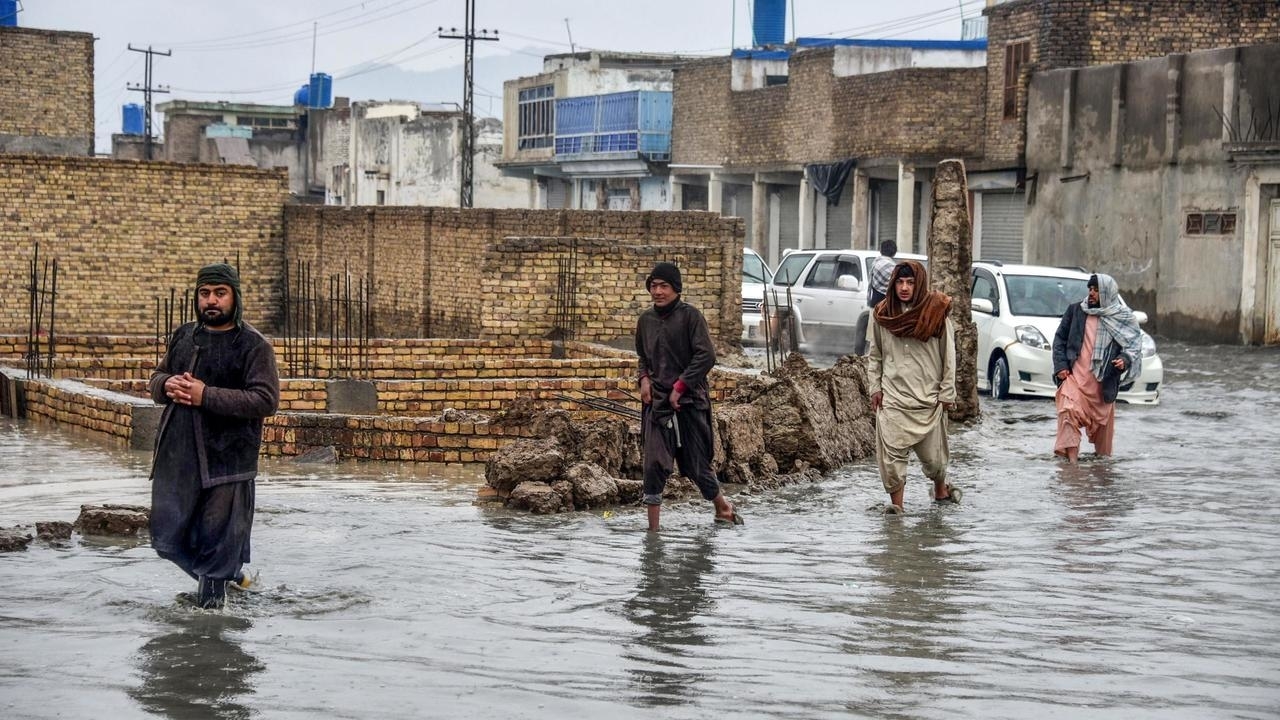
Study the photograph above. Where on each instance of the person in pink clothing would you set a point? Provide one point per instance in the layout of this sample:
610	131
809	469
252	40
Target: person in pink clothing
1098	347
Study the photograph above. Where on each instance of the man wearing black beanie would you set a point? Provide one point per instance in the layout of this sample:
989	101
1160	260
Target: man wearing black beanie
217	381
676	353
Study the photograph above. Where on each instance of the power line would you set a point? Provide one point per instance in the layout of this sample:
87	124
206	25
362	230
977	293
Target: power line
147	89
469	36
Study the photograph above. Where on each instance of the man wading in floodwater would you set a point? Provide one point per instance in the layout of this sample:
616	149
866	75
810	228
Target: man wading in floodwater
218	380
912	376
676	354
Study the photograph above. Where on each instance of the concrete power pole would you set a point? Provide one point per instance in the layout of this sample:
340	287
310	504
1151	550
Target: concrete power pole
469	37
146	89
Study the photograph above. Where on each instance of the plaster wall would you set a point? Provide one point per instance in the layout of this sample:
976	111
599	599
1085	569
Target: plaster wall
1120	154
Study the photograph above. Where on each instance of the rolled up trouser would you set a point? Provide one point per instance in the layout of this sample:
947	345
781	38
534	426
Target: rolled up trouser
693	455
931	448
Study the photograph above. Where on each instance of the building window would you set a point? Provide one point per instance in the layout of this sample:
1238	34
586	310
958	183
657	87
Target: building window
382	197
1210	223
264	122
1016	56
771	80
537	118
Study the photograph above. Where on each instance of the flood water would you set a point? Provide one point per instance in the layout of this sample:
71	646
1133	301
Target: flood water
1141	587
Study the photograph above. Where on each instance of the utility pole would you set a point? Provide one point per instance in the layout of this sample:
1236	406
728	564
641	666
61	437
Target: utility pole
468	81
146	89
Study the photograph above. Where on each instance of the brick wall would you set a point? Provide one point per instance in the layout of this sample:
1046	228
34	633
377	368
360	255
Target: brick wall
1079	33
105	414
435	272
817	117
46	91
125	232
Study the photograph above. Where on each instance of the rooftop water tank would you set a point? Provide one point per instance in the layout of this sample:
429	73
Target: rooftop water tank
321	91
769	23
302	96
135	119
8	13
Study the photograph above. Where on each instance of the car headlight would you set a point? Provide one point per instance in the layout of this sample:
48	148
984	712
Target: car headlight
1148	346
1031	335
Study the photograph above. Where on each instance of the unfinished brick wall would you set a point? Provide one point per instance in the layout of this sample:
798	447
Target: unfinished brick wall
435	274
1080	33
125	232
46	91
817	117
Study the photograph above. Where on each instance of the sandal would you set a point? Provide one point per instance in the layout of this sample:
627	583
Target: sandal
953	495
736	519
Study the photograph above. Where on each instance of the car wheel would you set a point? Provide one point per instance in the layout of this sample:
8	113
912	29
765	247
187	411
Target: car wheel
860	335
1000	378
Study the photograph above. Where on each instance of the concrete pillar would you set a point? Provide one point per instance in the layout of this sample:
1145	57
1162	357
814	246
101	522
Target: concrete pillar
760	218
677	194
715	194
820	208
806	239
906	207
860	207
774	242
950	249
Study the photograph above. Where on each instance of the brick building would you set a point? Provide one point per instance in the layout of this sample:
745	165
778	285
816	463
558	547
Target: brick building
46	91
752	133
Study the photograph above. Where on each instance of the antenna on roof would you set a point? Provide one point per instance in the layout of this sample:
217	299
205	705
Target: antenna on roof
570	31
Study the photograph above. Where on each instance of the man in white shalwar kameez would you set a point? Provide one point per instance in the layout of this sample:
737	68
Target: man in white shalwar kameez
912	375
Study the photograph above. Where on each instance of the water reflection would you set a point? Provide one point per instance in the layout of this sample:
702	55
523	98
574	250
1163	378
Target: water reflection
197	669
671	595
914	618
1092	496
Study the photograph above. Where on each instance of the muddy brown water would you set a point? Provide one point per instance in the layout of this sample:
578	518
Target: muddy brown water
1141	587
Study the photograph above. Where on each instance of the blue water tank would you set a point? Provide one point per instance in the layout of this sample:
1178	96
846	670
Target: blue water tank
302	96
135	119
769	23
321	91
8	13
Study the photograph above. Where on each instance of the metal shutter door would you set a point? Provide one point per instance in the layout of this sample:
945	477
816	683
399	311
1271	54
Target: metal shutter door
1002	215
886	212
789	217
840	219
557	194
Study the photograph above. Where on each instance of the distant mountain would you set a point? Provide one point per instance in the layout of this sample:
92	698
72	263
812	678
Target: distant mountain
389	82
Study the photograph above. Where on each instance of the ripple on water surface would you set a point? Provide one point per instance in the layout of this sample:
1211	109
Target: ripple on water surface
1140	586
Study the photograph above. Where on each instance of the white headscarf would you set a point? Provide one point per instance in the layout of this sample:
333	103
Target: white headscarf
1115	322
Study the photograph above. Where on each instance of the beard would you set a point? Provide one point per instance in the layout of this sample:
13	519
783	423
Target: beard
214	317
1095	303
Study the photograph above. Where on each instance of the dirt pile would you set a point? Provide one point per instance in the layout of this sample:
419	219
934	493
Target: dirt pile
776	429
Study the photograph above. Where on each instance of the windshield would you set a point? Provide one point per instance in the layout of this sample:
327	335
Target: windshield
753	269
1042	296
789	271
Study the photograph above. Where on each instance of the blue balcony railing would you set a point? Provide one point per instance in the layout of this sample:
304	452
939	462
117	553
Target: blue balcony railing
614	126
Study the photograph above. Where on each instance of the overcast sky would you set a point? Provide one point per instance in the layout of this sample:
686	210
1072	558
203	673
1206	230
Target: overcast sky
261	50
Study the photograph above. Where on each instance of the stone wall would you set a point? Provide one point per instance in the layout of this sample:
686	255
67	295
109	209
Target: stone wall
126	232
817	117
46	92
1080	33
444	272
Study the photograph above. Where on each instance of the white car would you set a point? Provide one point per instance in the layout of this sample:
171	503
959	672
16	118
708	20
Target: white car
827	291
1017	309
756	275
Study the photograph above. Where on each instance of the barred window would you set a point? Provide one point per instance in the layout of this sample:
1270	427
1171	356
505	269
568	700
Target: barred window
1210	223
1016	55
537	120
